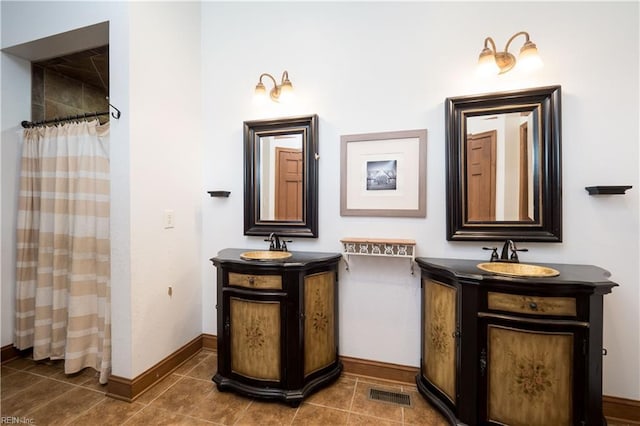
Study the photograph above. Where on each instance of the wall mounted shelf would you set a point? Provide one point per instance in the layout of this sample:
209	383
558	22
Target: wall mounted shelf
219	193
378	247
607	190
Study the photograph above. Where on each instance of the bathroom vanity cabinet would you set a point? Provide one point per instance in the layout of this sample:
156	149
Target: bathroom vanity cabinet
277	324
519	351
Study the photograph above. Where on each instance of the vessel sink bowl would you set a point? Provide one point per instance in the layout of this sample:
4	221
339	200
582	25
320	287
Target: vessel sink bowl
265	255
518	269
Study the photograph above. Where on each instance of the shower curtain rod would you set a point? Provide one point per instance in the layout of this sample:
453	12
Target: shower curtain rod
29	124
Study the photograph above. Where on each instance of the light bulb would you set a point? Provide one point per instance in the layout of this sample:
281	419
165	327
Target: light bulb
487	65
286	92
260	94
529	60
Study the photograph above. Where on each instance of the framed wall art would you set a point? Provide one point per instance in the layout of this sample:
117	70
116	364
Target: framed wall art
383	174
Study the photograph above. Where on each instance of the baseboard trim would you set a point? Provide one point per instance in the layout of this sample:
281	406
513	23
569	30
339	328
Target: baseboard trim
130	389
621	409
7	353
379	370
10	352
209	341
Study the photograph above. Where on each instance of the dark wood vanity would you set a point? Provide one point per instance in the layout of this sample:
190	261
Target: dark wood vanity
505	350
277	324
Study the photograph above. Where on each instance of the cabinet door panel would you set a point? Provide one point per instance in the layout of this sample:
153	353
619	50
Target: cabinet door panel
530	376
440	313
255	338
319	321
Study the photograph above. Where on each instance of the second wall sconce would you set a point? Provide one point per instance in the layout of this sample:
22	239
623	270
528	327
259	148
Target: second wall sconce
491	61
280	92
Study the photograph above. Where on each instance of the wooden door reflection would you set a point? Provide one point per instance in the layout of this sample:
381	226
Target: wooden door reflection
288	192
481	177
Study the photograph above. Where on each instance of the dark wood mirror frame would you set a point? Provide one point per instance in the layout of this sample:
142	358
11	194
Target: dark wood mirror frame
307	127
548	226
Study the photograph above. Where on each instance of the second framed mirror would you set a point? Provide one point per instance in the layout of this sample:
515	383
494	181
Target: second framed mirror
504	176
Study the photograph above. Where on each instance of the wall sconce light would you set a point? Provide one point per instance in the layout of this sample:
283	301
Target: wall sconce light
491	62
280	92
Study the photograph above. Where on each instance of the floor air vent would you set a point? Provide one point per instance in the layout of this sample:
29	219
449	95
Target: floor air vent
395	398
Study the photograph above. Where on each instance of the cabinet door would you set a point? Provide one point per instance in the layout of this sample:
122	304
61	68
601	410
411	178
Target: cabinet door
529	376
255	338
439	336
319	321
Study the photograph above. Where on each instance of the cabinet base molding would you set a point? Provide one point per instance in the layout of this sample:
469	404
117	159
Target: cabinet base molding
292	397
435	401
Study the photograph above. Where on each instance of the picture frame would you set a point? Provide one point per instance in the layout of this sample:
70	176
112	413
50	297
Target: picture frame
383	174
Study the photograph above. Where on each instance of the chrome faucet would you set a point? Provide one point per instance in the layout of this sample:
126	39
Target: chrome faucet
276	244
509	246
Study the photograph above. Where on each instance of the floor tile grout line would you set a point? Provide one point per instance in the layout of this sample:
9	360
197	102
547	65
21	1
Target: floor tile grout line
193	418
35	409
134	414
180	378
296	413
82	385
61	380
31	408
189	359
244	410
85	411
315	404
11	395
353	397
40	383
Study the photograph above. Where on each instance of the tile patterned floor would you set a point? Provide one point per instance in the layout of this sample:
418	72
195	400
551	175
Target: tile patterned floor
41	394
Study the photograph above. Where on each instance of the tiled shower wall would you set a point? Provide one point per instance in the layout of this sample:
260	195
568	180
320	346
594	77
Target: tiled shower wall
55	95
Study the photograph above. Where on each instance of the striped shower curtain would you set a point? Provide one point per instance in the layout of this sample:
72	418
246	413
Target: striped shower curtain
63	302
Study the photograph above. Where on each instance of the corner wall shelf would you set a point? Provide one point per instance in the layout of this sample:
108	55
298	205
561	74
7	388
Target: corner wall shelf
378	247
607	190
219	193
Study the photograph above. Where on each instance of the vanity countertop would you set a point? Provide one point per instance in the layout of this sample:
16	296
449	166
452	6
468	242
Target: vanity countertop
297	259
570	274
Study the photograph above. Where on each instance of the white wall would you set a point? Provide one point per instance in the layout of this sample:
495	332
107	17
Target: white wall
16	81
166	174
369	67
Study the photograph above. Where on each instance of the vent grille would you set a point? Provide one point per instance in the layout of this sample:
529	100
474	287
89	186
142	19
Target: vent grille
395	398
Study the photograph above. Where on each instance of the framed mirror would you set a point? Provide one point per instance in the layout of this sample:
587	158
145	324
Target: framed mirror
504	176
281	176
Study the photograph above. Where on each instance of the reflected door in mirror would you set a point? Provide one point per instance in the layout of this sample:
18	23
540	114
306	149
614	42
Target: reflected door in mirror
500	167
481	177
289	184
281	177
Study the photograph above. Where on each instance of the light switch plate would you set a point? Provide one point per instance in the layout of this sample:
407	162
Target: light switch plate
169	219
